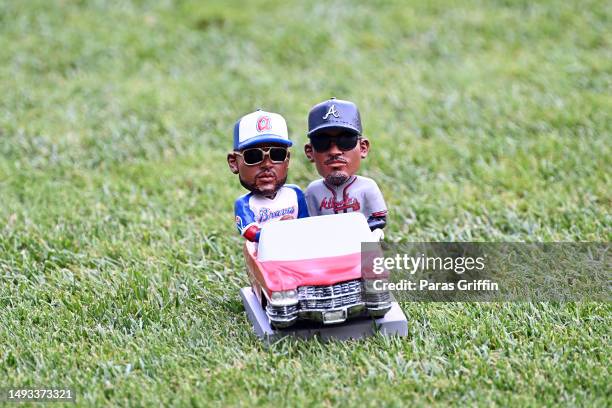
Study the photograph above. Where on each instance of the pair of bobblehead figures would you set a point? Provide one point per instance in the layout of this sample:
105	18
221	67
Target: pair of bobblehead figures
336	146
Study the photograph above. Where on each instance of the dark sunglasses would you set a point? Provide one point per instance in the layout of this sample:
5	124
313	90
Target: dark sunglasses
256	155
344	142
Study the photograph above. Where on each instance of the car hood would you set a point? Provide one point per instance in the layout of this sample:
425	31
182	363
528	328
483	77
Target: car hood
286	275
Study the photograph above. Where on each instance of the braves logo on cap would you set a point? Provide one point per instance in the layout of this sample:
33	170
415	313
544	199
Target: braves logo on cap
331	111
263	123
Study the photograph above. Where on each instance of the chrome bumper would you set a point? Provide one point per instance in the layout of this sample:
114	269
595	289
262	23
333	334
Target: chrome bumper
331	304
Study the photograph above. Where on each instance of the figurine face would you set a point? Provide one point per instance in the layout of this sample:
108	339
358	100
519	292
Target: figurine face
336	164
265	177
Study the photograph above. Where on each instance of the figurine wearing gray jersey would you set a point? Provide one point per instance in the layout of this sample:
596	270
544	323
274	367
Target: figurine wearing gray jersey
336	147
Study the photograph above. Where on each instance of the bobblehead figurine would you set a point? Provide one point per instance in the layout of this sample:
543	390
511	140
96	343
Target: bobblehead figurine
337	147
261	158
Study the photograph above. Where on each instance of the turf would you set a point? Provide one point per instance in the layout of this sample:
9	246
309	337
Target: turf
119	262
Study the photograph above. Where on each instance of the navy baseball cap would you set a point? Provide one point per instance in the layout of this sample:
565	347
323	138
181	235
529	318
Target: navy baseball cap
260	127
334	113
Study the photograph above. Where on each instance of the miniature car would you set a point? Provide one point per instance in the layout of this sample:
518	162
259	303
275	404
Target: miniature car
310	268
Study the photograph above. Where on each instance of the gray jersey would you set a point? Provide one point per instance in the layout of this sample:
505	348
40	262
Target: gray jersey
357	194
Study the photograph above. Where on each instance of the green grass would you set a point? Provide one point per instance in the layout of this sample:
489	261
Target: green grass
119	262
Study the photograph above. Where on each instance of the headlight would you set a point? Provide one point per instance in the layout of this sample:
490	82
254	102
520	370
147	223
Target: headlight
287	294
284	298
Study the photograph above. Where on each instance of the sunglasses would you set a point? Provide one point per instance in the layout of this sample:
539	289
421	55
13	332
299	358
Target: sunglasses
344	142
256	155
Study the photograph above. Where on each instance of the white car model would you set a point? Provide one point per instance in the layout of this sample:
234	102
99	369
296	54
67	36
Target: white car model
310	268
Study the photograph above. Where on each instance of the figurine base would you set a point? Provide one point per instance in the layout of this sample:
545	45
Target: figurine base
394	323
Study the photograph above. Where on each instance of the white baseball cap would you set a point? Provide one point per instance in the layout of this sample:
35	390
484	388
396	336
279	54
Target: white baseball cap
260	127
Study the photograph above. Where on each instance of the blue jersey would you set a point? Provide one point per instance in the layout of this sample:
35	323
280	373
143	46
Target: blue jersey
256	209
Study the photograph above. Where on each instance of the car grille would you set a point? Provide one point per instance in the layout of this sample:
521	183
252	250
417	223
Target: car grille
330	297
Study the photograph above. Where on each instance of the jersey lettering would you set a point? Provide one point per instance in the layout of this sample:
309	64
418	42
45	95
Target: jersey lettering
347	203
252	210
266	214
358	194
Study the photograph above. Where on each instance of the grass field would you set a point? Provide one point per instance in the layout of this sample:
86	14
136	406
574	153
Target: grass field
119	260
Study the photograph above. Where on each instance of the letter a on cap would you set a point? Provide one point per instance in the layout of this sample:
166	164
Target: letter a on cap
331	111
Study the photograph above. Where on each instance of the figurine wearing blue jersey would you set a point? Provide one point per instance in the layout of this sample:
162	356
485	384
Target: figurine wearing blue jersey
261	158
